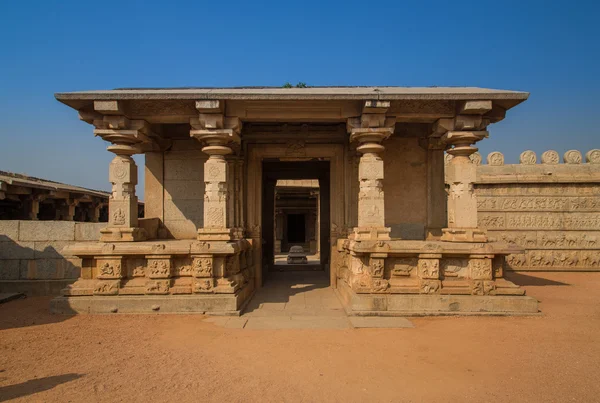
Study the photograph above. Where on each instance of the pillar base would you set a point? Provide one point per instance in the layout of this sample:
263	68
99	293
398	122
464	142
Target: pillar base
216	234
370	234
464	235
114	234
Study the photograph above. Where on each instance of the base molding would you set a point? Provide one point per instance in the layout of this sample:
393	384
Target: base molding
210	304
433	304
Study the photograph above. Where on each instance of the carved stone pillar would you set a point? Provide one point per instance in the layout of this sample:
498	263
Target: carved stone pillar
216	132
461	176
373	130
123	202
126	137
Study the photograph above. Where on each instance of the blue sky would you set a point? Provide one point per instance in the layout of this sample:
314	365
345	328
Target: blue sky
550	49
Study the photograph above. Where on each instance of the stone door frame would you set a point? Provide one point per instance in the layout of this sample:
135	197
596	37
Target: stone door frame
338	201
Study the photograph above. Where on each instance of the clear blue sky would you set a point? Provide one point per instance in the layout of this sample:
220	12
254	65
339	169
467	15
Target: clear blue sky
548	48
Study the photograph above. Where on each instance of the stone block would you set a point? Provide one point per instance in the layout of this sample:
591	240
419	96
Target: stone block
184	190
412	231
49	249
16	250
184	170
88	231
9	229
150	225
47	231
9	269
47	269
181	229
179	209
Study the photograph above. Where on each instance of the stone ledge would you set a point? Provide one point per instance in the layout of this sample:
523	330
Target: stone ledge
432	305
35	287
214	304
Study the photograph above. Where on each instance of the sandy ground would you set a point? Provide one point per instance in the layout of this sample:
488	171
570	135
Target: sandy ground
550	358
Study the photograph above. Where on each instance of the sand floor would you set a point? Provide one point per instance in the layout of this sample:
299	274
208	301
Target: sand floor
554	357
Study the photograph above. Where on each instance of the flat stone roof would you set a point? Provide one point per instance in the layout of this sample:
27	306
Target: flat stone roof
310	93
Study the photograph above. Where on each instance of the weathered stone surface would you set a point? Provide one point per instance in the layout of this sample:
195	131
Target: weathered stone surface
47	231
9	269
16	250
87	231
9	229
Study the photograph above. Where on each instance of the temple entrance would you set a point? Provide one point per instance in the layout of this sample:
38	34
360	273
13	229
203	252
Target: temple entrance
295	216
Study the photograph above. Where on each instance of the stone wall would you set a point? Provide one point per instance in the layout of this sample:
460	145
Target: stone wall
550	208
180	203
405	187
31	259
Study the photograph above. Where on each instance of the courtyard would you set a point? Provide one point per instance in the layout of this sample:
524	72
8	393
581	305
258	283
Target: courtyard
550	357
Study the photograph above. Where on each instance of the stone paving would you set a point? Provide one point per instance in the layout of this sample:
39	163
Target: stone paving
300	300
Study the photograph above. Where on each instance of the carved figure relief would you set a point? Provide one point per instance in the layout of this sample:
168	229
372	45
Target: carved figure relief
429	286
550	157
495	158
119	217
380	285
482	287
452	267
429	268
481	269
110	269
572	157
157	287
106	288
160	268
403	266
476	158
203	285
593	157
528	157
203	267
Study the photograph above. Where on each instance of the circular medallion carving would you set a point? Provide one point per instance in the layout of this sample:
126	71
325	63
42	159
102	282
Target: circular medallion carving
119	171
572	157
528	158
495	158
475	158
550	157
593	156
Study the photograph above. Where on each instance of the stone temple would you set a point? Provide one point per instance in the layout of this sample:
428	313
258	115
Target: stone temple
393	238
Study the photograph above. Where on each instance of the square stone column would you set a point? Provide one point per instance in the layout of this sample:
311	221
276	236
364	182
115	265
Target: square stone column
127	138
461	175
371	205
217	133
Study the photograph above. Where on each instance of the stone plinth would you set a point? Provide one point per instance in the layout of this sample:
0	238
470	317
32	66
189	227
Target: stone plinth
167	276
427	277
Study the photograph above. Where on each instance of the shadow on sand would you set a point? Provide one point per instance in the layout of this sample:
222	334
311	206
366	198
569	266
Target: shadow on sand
521	278
35	386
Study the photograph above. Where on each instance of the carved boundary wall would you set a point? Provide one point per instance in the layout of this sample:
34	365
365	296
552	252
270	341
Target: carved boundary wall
550	208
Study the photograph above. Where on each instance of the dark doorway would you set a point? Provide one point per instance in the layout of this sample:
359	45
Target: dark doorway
297	221
296	225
